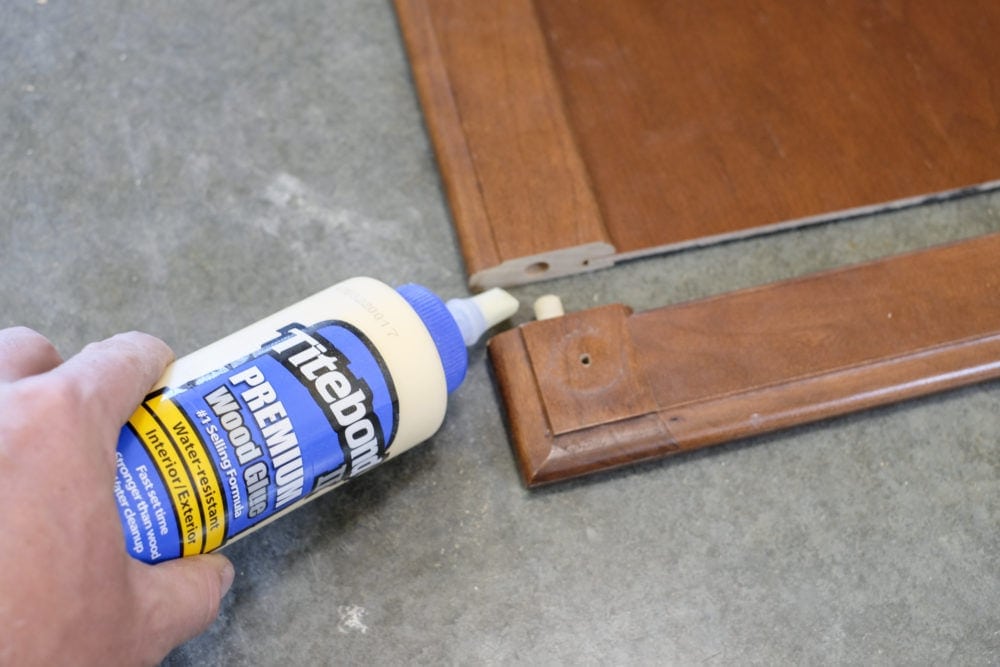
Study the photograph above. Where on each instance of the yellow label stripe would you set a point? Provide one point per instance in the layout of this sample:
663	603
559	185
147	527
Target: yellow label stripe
171	468
189	445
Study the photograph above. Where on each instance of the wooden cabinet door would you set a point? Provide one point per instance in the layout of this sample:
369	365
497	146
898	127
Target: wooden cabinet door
572	133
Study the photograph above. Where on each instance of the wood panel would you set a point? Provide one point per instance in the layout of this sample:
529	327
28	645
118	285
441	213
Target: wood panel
571	133
605	387
510	165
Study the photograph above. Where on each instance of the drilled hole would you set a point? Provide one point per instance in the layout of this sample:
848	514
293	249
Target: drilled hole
536	268
585	359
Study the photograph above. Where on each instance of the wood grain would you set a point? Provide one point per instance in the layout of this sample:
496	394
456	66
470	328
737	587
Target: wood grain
571	133
496	117
603	387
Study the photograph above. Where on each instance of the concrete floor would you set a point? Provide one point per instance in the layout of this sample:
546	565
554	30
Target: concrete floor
186	168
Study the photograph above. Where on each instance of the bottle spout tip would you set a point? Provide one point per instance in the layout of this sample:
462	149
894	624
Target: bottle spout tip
477	314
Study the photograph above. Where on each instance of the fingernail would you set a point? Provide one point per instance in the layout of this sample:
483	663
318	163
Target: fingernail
226	576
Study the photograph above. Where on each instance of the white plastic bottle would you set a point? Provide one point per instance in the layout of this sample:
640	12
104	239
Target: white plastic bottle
250	427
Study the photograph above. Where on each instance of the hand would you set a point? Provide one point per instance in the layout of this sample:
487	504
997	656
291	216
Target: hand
69	592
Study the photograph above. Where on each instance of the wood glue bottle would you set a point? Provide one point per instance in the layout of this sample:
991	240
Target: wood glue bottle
248	428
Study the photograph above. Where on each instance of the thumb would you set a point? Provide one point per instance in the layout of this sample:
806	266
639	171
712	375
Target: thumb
180	599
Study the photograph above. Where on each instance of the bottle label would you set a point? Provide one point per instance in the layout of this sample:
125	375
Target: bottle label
201	463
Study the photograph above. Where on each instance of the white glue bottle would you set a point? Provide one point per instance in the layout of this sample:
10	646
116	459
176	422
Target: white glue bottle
248	428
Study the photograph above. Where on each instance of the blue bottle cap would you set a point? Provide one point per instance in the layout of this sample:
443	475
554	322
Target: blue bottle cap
443	329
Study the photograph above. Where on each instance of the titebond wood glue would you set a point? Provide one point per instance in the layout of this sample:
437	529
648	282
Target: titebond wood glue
250	427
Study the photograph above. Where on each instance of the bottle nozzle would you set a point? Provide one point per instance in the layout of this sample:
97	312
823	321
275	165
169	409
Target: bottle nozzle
477	314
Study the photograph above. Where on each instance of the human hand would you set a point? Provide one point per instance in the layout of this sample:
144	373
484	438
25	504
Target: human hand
69	591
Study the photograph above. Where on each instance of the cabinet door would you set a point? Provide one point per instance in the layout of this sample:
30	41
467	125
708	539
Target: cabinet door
571	134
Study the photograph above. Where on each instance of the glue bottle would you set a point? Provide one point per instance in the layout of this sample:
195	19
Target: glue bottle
250	427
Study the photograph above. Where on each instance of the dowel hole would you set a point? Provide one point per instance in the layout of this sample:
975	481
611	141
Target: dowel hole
585	359
537	268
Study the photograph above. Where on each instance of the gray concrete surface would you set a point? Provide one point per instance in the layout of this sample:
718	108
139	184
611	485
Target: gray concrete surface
186	168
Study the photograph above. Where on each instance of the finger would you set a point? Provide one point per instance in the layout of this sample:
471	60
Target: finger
180	599
112	376
24	352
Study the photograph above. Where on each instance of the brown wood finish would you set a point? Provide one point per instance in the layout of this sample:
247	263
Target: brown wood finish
508	159
571	133
604	387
